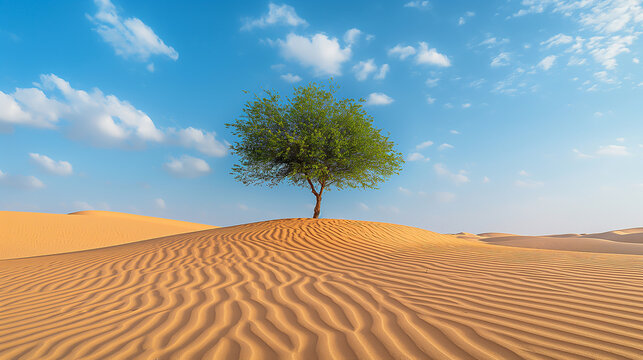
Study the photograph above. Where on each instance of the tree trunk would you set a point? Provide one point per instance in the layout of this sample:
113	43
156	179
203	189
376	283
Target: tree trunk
317	206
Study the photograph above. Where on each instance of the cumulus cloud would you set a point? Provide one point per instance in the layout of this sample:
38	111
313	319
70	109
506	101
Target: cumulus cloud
20	181
187	167
402	52
96	118
377	98
277	15
364	68
445	146
291	78
424	144
319	52
547	62
381	74
352	35
416	156
129	37
202	141
29	107
613	150
431	56
47	164
423	55
458	178
430	99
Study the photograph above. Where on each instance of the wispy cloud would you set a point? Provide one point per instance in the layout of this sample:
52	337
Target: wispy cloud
276	15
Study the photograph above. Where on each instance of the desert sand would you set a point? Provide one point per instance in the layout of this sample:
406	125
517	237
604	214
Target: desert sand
328	289
627	241
24	234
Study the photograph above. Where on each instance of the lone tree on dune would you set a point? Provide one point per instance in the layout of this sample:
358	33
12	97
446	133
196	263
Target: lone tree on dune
311	140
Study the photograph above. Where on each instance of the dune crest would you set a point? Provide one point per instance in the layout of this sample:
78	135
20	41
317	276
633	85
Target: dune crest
325	289
26	234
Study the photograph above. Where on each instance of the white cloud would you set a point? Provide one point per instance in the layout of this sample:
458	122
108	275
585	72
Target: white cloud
492	41
416	156
430	99
547	62
47	164
402	52
598	114
277	15
30	107
379	99
319	52
364	68
581	155
382	73
605	50
291	78
20	182
204	142
160	203
424	144
602	76
461	21
363	206
501	59
621	140
445	146
523	173
557	40
635	60
417	4
96	118
612	150
187	167
432	82
457	178
486	180
129	37
351	36
454	132
81	205
466	105
431	56
404	191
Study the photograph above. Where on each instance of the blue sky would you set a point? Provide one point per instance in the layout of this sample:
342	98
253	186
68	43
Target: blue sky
517	116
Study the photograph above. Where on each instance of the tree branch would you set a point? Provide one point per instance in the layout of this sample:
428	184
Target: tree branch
312	187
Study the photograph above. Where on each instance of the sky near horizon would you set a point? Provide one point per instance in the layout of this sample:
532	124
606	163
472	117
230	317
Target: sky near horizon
513	116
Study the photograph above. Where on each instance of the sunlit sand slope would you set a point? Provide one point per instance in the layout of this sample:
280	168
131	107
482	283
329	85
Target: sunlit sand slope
24	234
329	289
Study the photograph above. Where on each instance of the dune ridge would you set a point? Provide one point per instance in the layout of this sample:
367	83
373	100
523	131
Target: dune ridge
25	234
327	289
626	241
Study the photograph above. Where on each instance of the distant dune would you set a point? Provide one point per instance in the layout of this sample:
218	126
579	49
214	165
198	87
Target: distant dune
320	289
628	241
24	234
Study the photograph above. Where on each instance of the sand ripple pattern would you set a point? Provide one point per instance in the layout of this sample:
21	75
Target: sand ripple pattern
327	289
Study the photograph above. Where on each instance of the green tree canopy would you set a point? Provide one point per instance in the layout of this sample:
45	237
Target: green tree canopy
312	140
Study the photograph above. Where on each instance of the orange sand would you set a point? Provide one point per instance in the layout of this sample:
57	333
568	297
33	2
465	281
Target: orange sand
24	234
628	241
328	289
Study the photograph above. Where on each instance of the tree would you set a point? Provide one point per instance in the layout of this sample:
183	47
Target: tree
312	140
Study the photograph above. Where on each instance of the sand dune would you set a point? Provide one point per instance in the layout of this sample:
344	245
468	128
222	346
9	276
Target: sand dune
627	241
328	289
24	234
